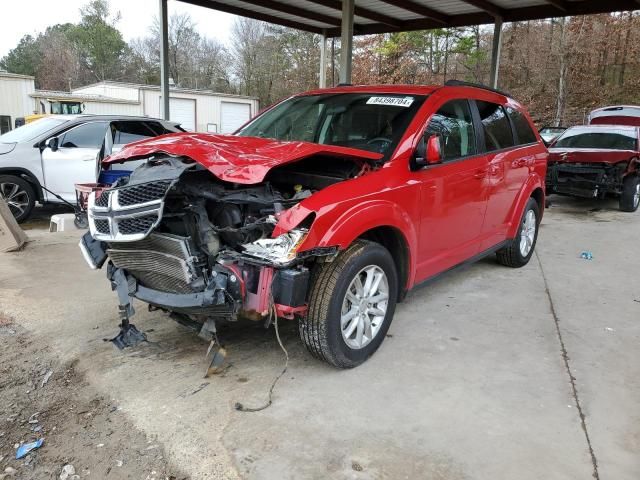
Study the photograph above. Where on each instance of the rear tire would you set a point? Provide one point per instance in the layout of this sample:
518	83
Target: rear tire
351	305
630	197
19	195
519	251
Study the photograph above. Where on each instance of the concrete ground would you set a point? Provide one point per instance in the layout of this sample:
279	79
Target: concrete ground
488	373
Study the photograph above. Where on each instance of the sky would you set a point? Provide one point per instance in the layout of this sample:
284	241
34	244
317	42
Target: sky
21	17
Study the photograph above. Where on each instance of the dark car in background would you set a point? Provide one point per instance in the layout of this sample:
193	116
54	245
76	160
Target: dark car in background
596	161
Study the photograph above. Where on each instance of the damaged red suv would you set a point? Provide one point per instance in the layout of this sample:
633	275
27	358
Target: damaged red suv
326	208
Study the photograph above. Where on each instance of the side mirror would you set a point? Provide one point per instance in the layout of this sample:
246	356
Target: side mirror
434	149
428	152
52	143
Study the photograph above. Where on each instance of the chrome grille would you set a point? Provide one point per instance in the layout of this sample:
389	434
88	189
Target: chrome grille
103	199
161	262
102	226
130	226
129	213
146	192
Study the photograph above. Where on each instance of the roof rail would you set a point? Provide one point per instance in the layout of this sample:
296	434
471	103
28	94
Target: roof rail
460	83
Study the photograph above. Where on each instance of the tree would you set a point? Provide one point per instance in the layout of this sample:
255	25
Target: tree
99	43
24	58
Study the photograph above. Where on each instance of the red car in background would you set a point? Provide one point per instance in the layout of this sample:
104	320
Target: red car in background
595	161
326	208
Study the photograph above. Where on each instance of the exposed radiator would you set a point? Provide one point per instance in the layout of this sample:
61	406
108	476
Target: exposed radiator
161	261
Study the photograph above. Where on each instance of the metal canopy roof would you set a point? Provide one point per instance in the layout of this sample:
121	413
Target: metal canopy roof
381	16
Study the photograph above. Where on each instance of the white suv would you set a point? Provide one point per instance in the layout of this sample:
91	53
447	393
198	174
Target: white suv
59	151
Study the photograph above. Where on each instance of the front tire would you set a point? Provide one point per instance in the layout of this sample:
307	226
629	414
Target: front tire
519	251
351	305
19	195
630	197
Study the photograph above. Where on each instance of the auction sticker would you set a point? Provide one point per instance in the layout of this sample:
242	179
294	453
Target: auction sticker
393	101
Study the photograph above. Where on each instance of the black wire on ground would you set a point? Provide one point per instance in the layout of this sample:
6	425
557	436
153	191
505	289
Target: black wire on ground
239	406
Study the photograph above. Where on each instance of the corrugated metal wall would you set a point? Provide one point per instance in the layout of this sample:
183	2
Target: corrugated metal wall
207	106
14	96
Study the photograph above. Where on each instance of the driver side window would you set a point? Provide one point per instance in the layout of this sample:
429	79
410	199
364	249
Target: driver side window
453	122
89	135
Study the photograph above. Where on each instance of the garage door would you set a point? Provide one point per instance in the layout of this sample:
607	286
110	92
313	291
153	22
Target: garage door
183	111
234	115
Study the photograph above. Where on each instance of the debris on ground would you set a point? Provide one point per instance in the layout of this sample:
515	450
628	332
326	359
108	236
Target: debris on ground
586	255
67	472
69	415
27	447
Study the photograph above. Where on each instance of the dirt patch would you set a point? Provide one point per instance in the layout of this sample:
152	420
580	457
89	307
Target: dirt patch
41	397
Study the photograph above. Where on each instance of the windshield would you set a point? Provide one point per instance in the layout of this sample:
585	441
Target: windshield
367	121
610	139
31	130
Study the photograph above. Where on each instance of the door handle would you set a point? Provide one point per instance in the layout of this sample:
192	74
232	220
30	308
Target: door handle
480	174
88	159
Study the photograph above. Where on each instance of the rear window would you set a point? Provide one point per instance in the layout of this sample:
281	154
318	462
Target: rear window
610	139
523	128
496	126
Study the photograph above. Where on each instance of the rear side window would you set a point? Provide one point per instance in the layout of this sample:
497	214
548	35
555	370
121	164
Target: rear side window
521	124
454	123
89	135
128	132
497	130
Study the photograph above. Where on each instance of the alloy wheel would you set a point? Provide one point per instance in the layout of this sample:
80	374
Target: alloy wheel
364	307
16	197
528	232
636	196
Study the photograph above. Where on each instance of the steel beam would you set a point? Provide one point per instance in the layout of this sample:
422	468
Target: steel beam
346	41
495	52
164	58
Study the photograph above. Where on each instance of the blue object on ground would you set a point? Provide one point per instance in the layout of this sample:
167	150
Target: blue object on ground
111	176
27	447
586	255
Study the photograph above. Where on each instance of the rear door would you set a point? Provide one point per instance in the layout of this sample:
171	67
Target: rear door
75	159
453	193
509	160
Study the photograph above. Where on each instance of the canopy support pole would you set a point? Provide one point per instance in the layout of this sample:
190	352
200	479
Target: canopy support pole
495	52
164	58
323	61
346	41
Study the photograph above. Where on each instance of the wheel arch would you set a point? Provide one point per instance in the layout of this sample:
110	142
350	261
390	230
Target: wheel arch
394	241
34	182
533	188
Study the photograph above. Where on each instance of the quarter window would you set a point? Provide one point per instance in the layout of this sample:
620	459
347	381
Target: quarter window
522	127
89	135
497	130
128	132
454	123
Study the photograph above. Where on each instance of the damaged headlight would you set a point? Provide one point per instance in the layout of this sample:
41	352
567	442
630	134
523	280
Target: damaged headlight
280	250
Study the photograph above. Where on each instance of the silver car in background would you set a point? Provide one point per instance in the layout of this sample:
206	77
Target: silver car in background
59	151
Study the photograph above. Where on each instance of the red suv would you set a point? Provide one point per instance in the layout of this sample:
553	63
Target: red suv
326	208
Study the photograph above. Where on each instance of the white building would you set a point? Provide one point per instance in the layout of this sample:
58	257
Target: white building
196	110
15	101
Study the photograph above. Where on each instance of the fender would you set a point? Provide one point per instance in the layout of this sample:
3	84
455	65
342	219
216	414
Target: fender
17	171
359	219
533	182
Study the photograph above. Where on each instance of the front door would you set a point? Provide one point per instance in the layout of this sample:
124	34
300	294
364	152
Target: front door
75	159
453	193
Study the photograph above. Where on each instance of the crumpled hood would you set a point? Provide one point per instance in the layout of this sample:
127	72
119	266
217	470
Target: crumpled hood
232	158
586	155
7	147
